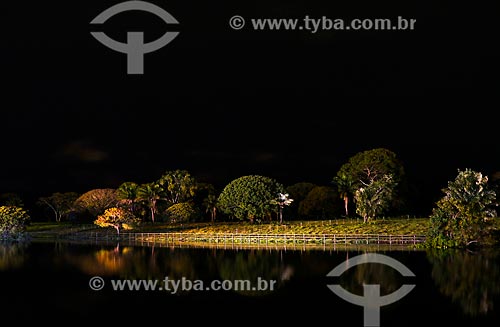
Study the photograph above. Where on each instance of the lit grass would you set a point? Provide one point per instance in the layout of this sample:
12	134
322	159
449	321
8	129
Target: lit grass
413	226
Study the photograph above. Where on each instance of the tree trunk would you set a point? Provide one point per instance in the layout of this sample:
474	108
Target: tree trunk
152	214
346	205
117	230
213	214
281	215
51	207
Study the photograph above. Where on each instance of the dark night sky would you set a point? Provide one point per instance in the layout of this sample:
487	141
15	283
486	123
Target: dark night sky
223	103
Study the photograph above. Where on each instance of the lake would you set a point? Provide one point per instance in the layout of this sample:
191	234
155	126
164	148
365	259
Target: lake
49	282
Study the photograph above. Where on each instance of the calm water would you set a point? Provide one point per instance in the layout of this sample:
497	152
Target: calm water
50	282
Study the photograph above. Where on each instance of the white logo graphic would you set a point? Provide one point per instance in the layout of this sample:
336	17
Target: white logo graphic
371	300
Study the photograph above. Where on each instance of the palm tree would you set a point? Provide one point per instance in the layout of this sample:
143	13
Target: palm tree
150	194
344	187
127	195
282	200
210	204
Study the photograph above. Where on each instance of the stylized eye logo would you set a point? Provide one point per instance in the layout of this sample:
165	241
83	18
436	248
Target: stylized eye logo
135	48
371	300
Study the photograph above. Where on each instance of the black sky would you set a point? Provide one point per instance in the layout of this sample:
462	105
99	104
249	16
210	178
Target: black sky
224	103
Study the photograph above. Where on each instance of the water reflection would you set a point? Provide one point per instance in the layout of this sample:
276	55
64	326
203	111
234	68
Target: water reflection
387	277
11	255
252	265
471	280
102	261
129	262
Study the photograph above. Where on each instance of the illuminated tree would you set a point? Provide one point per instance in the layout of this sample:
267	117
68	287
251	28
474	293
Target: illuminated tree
182	212
282	201
126	194
96	201
150	194
463	214
177	186
12	222
344	187
249	197
117	218
367	167
374	197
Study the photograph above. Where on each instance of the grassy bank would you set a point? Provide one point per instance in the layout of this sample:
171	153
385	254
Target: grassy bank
413	226
53	230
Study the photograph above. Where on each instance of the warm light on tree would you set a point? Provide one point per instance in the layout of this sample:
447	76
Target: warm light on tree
117	218
96	201
12	222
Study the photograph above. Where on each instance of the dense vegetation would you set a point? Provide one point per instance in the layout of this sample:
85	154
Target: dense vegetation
250	197
370	185
12	222
463	216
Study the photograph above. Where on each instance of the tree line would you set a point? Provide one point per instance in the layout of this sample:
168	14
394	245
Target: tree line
371	182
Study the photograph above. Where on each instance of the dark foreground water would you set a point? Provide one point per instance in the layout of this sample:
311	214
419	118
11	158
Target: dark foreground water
49	282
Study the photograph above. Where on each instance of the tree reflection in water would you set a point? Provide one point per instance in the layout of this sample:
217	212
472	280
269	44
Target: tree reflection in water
11	255
128	262
471	280
134	263
254	264
387	277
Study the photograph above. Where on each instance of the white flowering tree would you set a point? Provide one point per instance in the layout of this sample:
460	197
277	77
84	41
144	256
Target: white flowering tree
282	201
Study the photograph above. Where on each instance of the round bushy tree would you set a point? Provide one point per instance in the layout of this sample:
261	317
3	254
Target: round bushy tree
461	216
182	212
250	197
94	202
